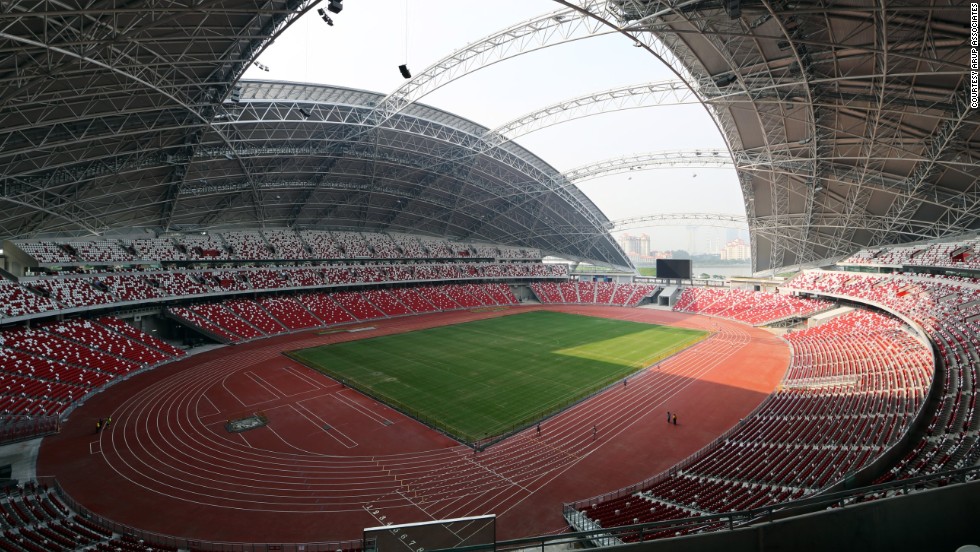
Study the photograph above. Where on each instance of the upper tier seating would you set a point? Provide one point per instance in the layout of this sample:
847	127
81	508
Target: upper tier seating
261	245
958	254
130	287
518	253
439	249
382	246
101	251
157	249
46	252
178	284
203	247
248	245
352	244
322	244
286	244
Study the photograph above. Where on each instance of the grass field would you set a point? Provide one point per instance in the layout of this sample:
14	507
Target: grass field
480	379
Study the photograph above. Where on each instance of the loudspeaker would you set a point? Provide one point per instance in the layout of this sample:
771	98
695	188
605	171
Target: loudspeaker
405	72
335	6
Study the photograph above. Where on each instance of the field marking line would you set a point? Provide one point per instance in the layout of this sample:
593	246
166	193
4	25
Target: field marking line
507	479
561	470
95	447
286	370
200	416
224	384
420	508
558	449
333	432
302	371
265	385
249	445
359	408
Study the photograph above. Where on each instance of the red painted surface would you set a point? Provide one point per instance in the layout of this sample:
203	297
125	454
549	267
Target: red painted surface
166	463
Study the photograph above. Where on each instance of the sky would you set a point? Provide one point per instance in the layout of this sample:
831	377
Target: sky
370	39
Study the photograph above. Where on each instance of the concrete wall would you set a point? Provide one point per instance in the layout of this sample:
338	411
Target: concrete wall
936	520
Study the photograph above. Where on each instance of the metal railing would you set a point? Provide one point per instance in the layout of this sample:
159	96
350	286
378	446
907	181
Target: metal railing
22	428
613	536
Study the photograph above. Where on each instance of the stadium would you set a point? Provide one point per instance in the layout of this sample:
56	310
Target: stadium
241	314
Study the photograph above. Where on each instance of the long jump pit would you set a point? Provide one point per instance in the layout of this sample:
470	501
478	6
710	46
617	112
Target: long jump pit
243	445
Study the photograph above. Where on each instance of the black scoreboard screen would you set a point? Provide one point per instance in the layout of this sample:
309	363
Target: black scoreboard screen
674	269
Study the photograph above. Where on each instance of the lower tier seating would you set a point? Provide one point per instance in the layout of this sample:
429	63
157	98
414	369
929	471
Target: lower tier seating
43	370
751	307
244	319
947	307
854	386
593	293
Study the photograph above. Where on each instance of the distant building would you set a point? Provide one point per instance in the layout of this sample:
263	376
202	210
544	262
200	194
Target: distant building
736	250
635	246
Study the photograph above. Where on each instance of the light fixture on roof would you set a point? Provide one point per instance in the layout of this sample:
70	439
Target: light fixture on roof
724	80
733	8
261	66
306	114
325	17
228	155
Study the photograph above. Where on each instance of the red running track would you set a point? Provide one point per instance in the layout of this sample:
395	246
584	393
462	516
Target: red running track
331	461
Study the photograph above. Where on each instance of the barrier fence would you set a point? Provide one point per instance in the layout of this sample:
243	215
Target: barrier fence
21	428
614	536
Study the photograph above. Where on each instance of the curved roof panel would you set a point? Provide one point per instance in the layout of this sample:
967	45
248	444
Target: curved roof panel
849	121
120	116
305	156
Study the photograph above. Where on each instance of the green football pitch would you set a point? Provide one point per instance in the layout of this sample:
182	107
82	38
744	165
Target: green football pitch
478	380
